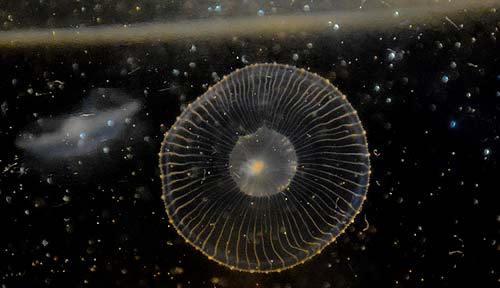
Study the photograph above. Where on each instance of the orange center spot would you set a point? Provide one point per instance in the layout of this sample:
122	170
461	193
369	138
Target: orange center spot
257	167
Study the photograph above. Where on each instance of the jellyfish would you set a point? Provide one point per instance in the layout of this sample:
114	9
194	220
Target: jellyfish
265	169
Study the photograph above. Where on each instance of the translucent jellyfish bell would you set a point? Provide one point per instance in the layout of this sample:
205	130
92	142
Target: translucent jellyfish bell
265	169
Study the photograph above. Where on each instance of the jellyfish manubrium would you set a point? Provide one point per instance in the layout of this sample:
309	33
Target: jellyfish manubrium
265	169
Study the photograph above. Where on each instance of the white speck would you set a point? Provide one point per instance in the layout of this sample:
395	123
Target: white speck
487	152
244	59
391	56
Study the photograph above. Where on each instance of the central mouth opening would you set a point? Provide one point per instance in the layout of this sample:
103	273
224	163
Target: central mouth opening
256	167
263	163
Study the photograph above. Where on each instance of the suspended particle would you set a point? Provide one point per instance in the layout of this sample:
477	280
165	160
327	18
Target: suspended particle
453	124
487	152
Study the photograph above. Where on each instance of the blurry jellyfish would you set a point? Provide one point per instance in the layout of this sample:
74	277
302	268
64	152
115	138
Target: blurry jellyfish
265	169
80	133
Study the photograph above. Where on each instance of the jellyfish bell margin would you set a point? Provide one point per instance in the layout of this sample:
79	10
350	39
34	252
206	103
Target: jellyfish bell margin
265	169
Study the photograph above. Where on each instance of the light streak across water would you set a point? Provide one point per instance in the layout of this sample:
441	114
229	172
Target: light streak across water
433	14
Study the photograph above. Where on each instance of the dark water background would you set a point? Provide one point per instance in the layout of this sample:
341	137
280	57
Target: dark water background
429	98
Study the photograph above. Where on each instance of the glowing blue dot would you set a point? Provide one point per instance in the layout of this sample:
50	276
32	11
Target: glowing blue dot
260	12
218	8
453	124
209	9
110	123
445	79
83	135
